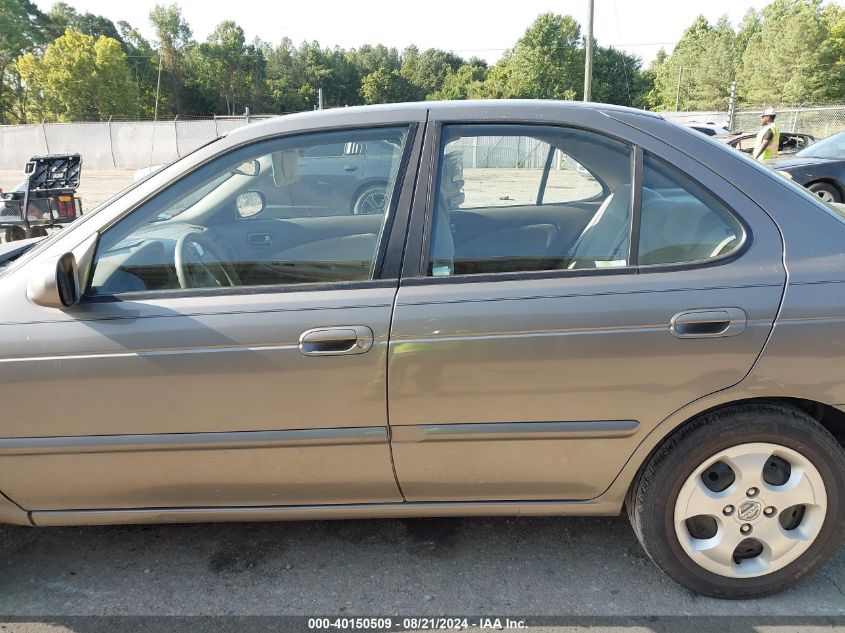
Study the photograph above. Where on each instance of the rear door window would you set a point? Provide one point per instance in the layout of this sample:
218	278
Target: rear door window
516	198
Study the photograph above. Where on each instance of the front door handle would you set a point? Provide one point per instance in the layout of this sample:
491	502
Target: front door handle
708	323
334	341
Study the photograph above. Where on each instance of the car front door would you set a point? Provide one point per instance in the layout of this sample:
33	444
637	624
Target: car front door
533	347
219	357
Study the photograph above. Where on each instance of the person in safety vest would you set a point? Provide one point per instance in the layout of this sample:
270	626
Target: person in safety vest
768	138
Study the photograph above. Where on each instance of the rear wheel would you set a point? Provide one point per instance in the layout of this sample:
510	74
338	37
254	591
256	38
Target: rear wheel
743	502
826	191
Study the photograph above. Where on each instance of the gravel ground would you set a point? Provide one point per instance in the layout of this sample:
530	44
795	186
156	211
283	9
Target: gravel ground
589	568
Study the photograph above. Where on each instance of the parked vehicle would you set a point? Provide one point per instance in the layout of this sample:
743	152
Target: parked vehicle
49	194
326	185
790	142
510	352
708	129
820	168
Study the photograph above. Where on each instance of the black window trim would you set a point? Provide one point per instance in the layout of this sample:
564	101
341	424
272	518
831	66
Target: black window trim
417	274
385	271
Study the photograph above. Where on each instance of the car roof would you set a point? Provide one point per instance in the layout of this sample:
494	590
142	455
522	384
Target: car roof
338	116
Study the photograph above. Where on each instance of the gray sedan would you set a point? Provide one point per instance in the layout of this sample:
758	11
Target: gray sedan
559	308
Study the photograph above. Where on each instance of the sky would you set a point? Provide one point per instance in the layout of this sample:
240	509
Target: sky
481	29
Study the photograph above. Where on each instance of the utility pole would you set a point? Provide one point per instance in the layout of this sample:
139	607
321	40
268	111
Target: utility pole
155	112
732	107
588	62
319	98
678	93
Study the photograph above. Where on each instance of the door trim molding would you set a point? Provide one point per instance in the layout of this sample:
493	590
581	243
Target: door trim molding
298	438
513	431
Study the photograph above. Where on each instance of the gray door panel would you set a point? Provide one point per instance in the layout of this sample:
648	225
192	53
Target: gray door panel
194	385
590	349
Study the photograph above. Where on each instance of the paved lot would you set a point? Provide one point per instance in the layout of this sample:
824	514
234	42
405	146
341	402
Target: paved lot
536	566
586	567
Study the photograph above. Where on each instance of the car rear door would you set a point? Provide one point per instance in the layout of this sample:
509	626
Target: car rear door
513	378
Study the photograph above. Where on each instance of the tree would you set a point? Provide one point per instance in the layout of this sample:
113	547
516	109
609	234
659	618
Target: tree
467	82
79	78
618	78
384	86
428	70
174	35
704	60
222	67
20	30
546	63
142	60
784	62
62	16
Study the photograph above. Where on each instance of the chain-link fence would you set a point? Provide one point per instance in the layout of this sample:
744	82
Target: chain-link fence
512	152
114	144
819	122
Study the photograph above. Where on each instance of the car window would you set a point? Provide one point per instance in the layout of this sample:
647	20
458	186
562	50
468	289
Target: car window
491	212
680	222
260	215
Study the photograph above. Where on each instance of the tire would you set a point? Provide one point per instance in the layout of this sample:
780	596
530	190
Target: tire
14	233
658	501
826	191
371	200
37	231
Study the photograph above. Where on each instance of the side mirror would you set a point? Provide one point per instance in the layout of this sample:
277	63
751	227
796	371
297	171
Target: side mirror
250	203
55	283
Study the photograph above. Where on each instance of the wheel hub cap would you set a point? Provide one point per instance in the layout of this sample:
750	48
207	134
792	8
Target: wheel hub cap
750	510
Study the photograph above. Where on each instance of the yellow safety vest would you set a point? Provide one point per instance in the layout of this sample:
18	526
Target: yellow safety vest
772	150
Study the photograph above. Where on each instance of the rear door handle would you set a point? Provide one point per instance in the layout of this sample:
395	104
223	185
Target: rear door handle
708	323
334	341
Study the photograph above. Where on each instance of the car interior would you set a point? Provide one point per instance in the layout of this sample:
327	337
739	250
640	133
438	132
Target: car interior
227	229
679	221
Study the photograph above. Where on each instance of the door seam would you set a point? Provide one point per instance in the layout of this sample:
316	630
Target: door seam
424	131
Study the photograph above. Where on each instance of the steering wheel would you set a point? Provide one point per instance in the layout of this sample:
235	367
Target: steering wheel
192	269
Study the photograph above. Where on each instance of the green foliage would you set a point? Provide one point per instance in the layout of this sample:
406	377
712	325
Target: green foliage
62	17
427	71
704	62
467	82
20	31
791	52
78	78
174	35
386	86
784	62
546	63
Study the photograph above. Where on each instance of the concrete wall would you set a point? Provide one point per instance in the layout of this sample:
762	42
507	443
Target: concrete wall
114	145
